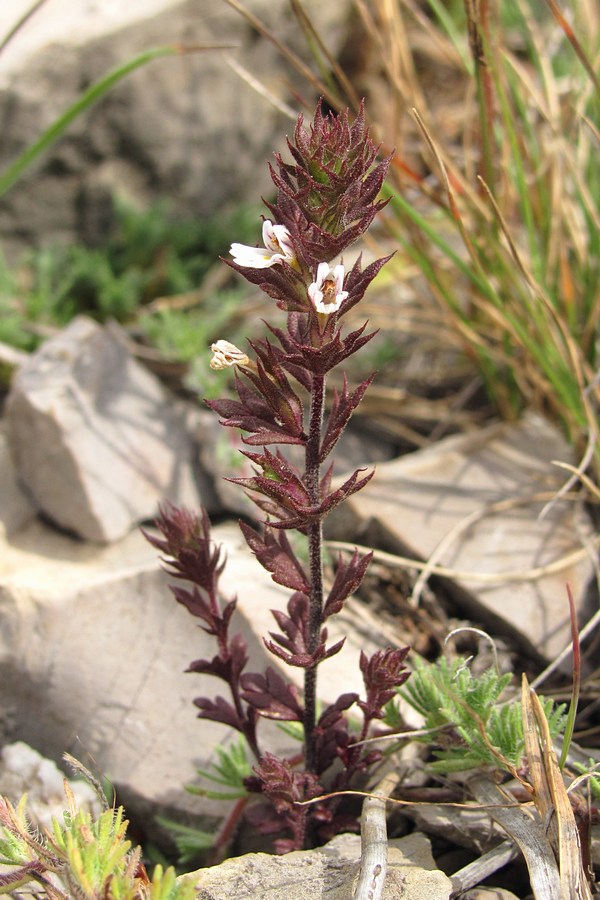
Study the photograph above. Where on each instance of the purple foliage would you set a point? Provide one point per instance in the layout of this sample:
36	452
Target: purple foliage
326	199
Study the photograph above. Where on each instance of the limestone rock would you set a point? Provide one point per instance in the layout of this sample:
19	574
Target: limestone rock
471	505
187	128
328	872
95	438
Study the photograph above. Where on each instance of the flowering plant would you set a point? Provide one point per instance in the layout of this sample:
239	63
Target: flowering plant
326	199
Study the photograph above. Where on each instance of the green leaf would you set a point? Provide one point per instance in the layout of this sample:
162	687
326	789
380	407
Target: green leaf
190	841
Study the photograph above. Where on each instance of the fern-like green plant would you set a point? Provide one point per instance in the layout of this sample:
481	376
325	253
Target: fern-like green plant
475	726
227	775
230	771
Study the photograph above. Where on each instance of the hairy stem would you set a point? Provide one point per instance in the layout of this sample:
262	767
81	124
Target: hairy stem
248	725
315	550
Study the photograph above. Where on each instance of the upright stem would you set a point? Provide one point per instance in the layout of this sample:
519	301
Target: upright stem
478	23
315	548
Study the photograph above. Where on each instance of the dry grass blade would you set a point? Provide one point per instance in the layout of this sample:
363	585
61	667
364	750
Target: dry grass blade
572	37
260	88
527	832
429	568
294	60
584	633
551	798
315	41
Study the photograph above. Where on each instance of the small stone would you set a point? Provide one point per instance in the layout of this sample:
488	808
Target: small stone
25	771
329	871
95	438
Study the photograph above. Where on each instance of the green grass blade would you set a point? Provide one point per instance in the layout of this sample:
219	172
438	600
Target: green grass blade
91	96
402	205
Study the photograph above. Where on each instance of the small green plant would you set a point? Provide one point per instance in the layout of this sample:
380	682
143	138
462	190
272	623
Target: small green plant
472	725
149	255
232	768
81	856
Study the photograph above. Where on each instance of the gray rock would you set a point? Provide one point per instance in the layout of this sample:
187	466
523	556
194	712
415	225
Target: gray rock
186	128
439	504
329	872
25	771
95	438
16	508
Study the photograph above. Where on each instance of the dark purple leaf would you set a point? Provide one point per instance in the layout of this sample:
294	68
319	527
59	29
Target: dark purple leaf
342	406
218	710
272	696
383	672
348	577
274	552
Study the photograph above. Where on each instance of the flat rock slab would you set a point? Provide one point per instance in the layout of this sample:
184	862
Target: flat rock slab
471	505
329	872
95	438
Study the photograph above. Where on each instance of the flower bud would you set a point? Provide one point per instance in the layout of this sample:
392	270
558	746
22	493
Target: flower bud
226	354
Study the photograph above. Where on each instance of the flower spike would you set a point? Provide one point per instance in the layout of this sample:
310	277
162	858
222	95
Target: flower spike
326	196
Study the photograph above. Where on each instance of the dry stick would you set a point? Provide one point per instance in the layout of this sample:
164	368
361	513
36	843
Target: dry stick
551	799
482	868
373	840
563	562
466	523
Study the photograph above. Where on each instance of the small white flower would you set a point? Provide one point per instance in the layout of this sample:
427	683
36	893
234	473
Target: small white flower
326	292
278	247
226	354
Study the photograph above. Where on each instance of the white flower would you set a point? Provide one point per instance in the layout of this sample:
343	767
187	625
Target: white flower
226	354
278	247
326	292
